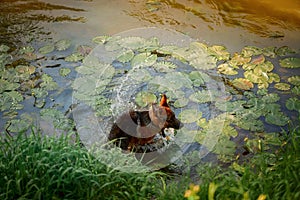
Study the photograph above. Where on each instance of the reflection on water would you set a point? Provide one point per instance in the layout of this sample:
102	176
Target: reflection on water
21	21
266	18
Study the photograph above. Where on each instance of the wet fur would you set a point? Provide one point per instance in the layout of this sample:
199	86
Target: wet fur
140	127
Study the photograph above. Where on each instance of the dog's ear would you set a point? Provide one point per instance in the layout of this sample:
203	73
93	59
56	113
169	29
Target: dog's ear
163	101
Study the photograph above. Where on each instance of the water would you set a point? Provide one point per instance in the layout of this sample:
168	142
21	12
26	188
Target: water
234	24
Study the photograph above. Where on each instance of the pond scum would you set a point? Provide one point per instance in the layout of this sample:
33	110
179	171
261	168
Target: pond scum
257	100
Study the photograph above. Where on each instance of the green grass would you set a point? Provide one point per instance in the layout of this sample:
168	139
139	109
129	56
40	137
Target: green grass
36	167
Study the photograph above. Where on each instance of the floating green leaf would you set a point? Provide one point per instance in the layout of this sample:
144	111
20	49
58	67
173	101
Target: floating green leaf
7	86
64	71
143	98
27	49
10	100
250	124
226	69
101	39
164	66
203	96
285	50
258	60
62	45
231	106
293	104
219	52
133	43
39	92
139	75
253	145
277	118
238	60
269	51
242	83
17	125
4	48
181	102
225	146
296	90
125	56
48	82
249	51
273	77
282	86
143	60
74	57
189	115
172	81
295	80
47	49
290	62
57	119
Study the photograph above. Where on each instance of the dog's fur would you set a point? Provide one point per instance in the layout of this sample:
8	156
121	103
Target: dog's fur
139	127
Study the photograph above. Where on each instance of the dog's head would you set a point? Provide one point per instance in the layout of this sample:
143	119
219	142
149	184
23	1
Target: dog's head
162	116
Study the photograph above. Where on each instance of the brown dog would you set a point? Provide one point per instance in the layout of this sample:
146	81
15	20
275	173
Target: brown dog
139	127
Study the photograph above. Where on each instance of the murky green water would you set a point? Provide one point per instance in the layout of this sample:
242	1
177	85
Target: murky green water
231	23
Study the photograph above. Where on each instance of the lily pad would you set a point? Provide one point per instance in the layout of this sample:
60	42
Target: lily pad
10	100
203	96
172	81
277	118
7	86
84	50
189	115
62	45
47	49
4	48
295	80
249	51
101	39
74	57
102	106
250	124
285	50
273	78
48	82
282	86
27	49
225	146
64	71
293	104
139	75
143	98
258	60
57	118
290	62
296	90
238	60
198	78
269	51
17	125
132	43
181	102
125	56
143	60
220	52
226	69
39	92
164	66
242	83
